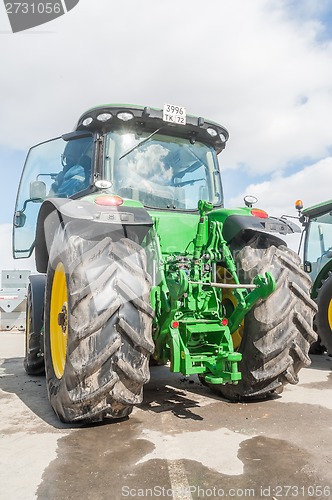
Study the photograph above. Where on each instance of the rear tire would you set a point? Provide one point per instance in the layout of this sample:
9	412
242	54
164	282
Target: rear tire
277	331
109	323
323	319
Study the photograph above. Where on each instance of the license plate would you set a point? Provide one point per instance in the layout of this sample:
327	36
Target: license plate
174	114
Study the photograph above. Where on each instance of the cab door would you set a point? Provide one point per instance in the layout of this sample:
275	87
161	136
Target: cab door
45	165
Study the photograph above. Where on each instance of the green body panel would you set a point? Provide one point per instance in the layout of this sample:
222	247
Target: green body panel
175	230
221	214
178	230
320	208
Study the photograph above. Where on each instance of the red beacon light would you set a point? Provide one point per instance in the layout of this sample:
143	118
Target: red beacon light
108	200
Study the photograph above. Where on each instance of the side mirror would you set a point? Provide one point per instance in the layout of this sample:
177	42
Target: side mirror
19	218
37	191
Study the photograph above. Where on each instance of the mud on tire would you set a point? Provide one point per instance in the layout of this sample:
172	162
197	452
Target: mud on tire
277	331
109	328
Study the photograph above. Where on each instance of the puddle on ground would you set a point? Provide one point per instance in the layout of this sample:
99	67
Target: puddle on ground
195	444
268	465
173	439
110	460
93	462
321	385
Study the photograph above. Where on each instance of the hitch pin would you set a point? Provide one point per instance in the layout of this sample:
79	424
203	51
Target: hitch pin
224	285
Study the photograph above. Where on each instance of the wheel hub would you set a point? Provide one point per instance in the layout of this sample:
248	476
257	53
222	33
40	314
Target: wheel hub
63	319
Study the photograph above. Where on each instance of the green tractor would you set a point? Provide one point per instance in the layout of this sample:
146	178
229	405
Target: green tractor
317	259
137	257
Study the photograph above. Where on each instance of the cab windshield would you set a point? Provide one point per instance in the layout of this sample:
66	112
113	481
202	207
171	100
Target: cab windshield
161	171
319	241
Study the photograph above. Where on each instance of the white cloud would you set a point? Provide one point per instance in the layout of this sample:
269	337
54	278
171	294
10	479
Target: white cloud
247	65
257	67
277	196
312	185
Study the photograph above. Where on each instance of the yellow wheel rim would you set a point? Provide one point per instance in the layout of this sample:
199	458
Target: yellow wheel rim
329	314
59	320
223	276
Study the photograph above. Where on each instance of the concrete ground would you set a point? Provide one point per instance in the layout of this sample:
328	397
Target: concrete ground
182	442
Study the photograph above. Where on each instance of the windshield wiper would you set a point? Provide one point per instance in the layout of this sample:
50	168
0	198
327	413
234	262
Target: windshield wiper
185	183
139	144
194	166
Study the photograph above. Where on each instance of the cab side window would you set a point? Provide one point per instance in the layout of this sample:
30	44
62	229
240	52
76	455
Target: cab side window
55	168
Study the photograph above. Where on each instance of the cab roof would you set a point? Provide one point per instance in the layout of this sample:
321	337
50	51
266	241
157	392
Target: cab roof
319	209
150	119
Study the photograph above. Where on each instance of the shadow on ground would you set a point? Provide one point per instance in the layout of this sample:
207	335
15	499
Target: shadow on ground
166	392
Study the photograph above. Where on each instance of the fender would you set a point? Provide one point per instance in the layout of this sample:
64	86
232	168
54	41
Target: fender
119	221
240	221
321	276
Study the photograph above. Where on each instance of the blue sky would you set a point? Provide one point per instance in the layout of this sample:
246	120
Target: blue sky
263	69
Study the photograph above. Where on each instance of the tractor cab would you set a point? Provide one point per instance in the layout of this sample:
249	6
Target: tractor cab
163	159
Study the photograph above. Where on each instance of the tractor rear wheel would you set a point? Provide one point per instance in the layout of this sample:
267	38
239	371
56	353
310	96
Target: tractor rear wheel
323	319
277	331
98	324
34	359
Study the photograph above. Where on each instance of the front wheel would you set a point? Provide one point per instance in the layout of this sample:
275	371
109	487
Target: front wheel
98	325
277	331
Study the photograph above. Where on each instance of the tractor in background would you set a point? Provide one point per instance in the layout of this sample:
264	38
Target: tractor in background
317	262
